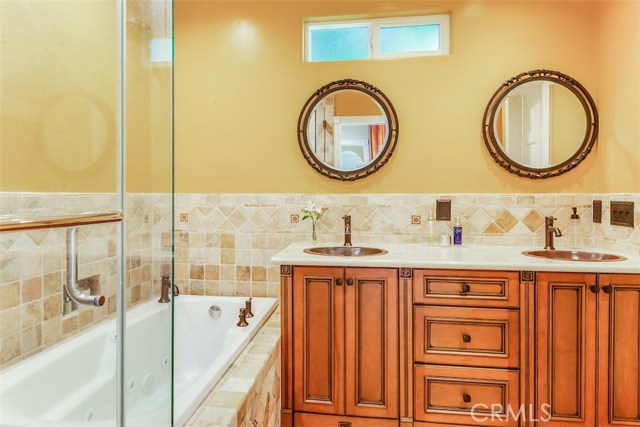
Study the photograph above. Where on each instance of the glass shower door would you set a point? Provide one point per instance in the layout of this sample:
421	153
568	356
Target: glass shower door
59	150
147	376
86	113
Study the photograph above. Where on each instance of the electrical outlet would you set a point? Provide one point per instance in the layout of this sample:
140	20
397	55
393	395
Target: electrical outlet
621	214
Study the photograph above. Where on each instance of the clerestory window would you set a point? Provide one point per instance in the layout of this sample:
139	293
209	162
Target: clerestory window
377	38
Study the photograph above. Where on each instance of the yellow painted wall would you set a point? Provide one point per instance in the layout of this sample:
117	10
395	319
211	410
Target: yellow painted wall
242	59
618	54
241	83
58	97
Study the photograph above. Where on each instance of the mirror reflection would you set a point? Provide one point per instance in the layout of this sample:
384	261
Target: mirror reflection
540	124
347	130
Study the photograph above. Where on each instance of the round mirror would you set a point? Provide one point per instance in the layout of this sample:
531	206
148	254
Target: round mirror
540	124
347	130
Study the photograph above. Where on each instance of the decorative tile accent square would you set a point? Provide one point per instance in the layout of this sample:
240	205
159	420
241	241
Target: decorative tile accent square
416	219
184	217
294	218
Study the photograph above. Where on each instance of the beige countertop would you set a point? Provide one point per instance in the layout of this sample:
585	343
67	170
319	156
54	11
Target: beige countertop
455	257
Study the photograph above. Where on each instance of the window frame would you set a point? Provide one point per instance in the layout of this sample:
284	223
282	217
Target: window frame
374	26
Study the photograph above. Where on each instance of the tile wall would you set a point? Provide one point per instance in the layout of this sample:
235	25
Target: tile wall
224	241
223	244
33	269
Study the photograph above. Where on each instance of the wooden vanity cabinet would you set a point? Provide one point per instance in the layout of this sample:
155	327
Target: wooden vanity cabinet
379	347
345	344
588	349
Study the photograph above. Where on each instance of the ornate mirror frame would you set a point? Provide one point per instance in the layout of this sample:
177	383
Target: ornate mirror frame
590	137
390	143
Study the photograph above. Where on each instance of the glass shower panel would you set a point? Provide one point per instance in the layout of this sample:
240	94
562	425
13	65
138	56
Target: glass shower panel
59	149
148	208
86	113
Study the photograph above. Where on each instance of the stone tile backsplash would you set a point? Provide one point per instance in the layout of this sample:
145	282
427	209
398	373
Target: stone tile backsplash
223	243
33	269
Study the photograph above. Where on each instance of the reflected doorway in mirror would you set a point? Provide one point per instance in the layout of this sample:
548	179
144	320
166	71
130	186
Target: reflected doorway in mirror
347	130
540	124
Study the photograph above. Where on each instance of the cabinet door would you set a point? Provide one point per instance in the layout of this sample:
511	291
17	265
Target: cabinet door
371	312
566	350
619	351
318	340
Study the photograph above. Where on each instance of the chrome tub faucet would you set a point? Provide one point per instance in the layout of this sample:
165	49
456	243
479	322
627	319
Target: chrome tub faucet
549	232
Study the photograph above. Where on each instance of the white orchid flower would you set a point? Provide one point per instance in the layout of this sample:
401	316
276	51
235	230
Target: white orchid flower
310	206
312	211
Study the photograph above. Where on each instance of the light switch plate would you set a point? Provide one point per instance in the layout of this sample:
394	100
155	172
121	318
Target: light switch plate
622	214
443	210
597	211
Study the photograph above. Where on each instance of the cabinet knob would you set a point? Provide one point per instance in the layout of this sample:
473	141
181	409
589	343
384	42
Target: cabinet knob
466	338
339	282
594	288
466	398
466	288
349	282
607	289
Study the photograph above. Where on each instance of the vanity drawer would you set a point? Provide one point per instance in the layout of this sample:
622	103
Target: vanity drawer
445	394
466	288
301	419
466	336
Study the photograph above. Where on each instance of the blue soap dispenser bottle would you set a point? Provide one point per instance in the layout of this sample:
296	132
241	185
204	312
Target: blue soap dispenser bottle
457	232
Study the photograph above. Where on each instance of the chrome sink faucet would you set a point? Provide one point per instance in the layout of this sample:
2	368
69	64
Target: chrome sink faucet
347	230
549	232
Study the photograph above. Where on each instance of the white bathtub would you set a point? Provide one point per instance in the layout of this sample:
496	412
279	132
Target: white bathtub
73	384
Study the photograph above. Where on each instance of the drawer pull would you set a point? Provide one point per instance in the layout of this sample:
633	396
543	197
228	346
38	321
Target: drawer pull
349	282
465	288
594	288
339	282
466	398
343	424
466	338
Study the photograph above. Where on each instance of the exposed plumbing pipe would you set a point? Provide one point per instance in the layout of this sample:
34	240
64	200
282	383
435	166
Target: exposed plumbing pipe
72	273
